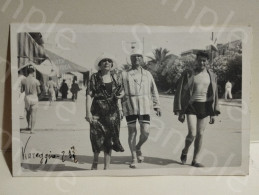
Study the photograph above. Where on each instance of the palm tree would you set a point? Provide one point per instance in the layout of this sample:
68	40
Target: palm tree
161	59
159	66
160	56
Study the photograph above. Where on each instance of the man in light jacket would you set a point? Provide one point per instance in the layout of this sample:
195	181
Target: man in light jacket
141	96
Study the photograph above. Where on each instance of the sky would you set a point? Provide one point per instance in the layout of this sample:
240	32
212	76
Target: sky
84	48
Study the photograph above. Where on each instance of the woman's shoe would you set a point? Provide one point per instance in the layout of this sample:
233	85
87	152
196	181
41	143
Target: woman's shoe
139	156
117	147
183	158
195	164
94	166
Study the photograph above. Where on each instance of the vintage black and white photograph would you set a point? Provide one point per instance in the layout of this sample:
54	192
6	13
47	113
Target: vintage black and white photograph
93	100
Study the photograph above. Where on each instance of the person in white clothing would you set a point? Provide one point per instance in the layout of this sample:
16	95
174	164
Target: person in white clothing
228	88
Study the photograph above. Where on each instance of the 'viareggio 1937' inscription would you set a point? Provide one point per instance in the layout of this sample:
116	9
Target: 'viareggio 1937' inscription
45	157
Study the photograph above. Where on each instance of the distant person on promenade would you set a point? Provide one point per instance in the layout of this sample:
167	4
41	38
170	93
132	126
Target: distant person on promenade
141	96
228	88
64	89
104	110
21	92
32	90
74	90
52	87
197	98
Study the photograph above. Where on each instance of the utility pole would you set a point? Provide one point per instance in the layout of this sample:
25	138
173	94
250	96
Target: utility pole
211	51
143	47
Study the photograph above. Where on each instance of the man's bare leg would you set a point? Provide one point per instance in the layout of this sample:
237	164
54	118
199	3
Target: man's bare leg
33	117
28	118
132	130
201	125
144	133
191	123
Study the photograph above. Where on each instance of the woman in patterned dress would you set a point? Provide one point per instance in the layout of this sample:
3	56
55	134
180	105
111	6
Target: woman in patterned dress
103	110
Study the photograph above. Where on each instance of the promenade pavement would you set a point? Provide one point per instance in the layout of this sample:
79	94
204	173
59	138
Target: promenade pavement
63	125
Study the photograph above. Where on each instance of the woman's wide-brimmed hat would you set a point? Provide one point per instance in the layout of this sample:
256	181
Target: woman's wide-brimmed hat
105	56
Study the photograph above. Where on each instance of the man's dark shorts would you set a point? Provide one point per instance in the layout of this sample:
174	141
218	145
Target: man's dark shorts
200	109
131	119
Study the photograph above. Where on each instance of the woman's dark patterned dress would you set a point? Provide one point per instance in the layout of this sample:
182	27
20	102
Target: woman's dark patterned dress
105	128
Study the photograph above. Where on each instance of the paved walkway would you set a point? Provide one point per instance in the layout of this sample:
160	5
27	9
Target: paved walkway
62	125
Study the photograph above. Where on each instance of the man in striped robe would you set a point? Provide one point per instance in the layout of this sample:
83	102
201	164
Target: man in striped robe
140	96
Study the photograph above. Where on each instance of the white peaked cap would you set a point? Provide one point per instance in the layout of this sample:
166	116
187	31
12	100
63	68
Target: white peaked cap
137	52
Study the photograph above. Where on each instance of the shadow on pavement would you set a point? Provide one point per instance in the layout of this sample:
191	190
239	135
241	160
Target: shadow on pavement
82	159
126	159
24	129
50	167
159	161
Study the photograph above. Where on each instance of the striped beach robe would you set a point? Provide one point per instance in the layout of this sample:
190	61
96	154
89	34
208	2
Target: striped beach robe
140	95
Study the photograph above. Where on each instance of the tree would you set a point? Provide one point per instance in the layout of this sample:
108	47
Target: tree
159	65
176	69
188	61
174	73
160	57
228	66
234	73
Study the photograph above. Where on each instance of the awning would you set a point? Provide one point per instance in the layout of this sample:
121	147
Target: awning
29	50
63	65
47	68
